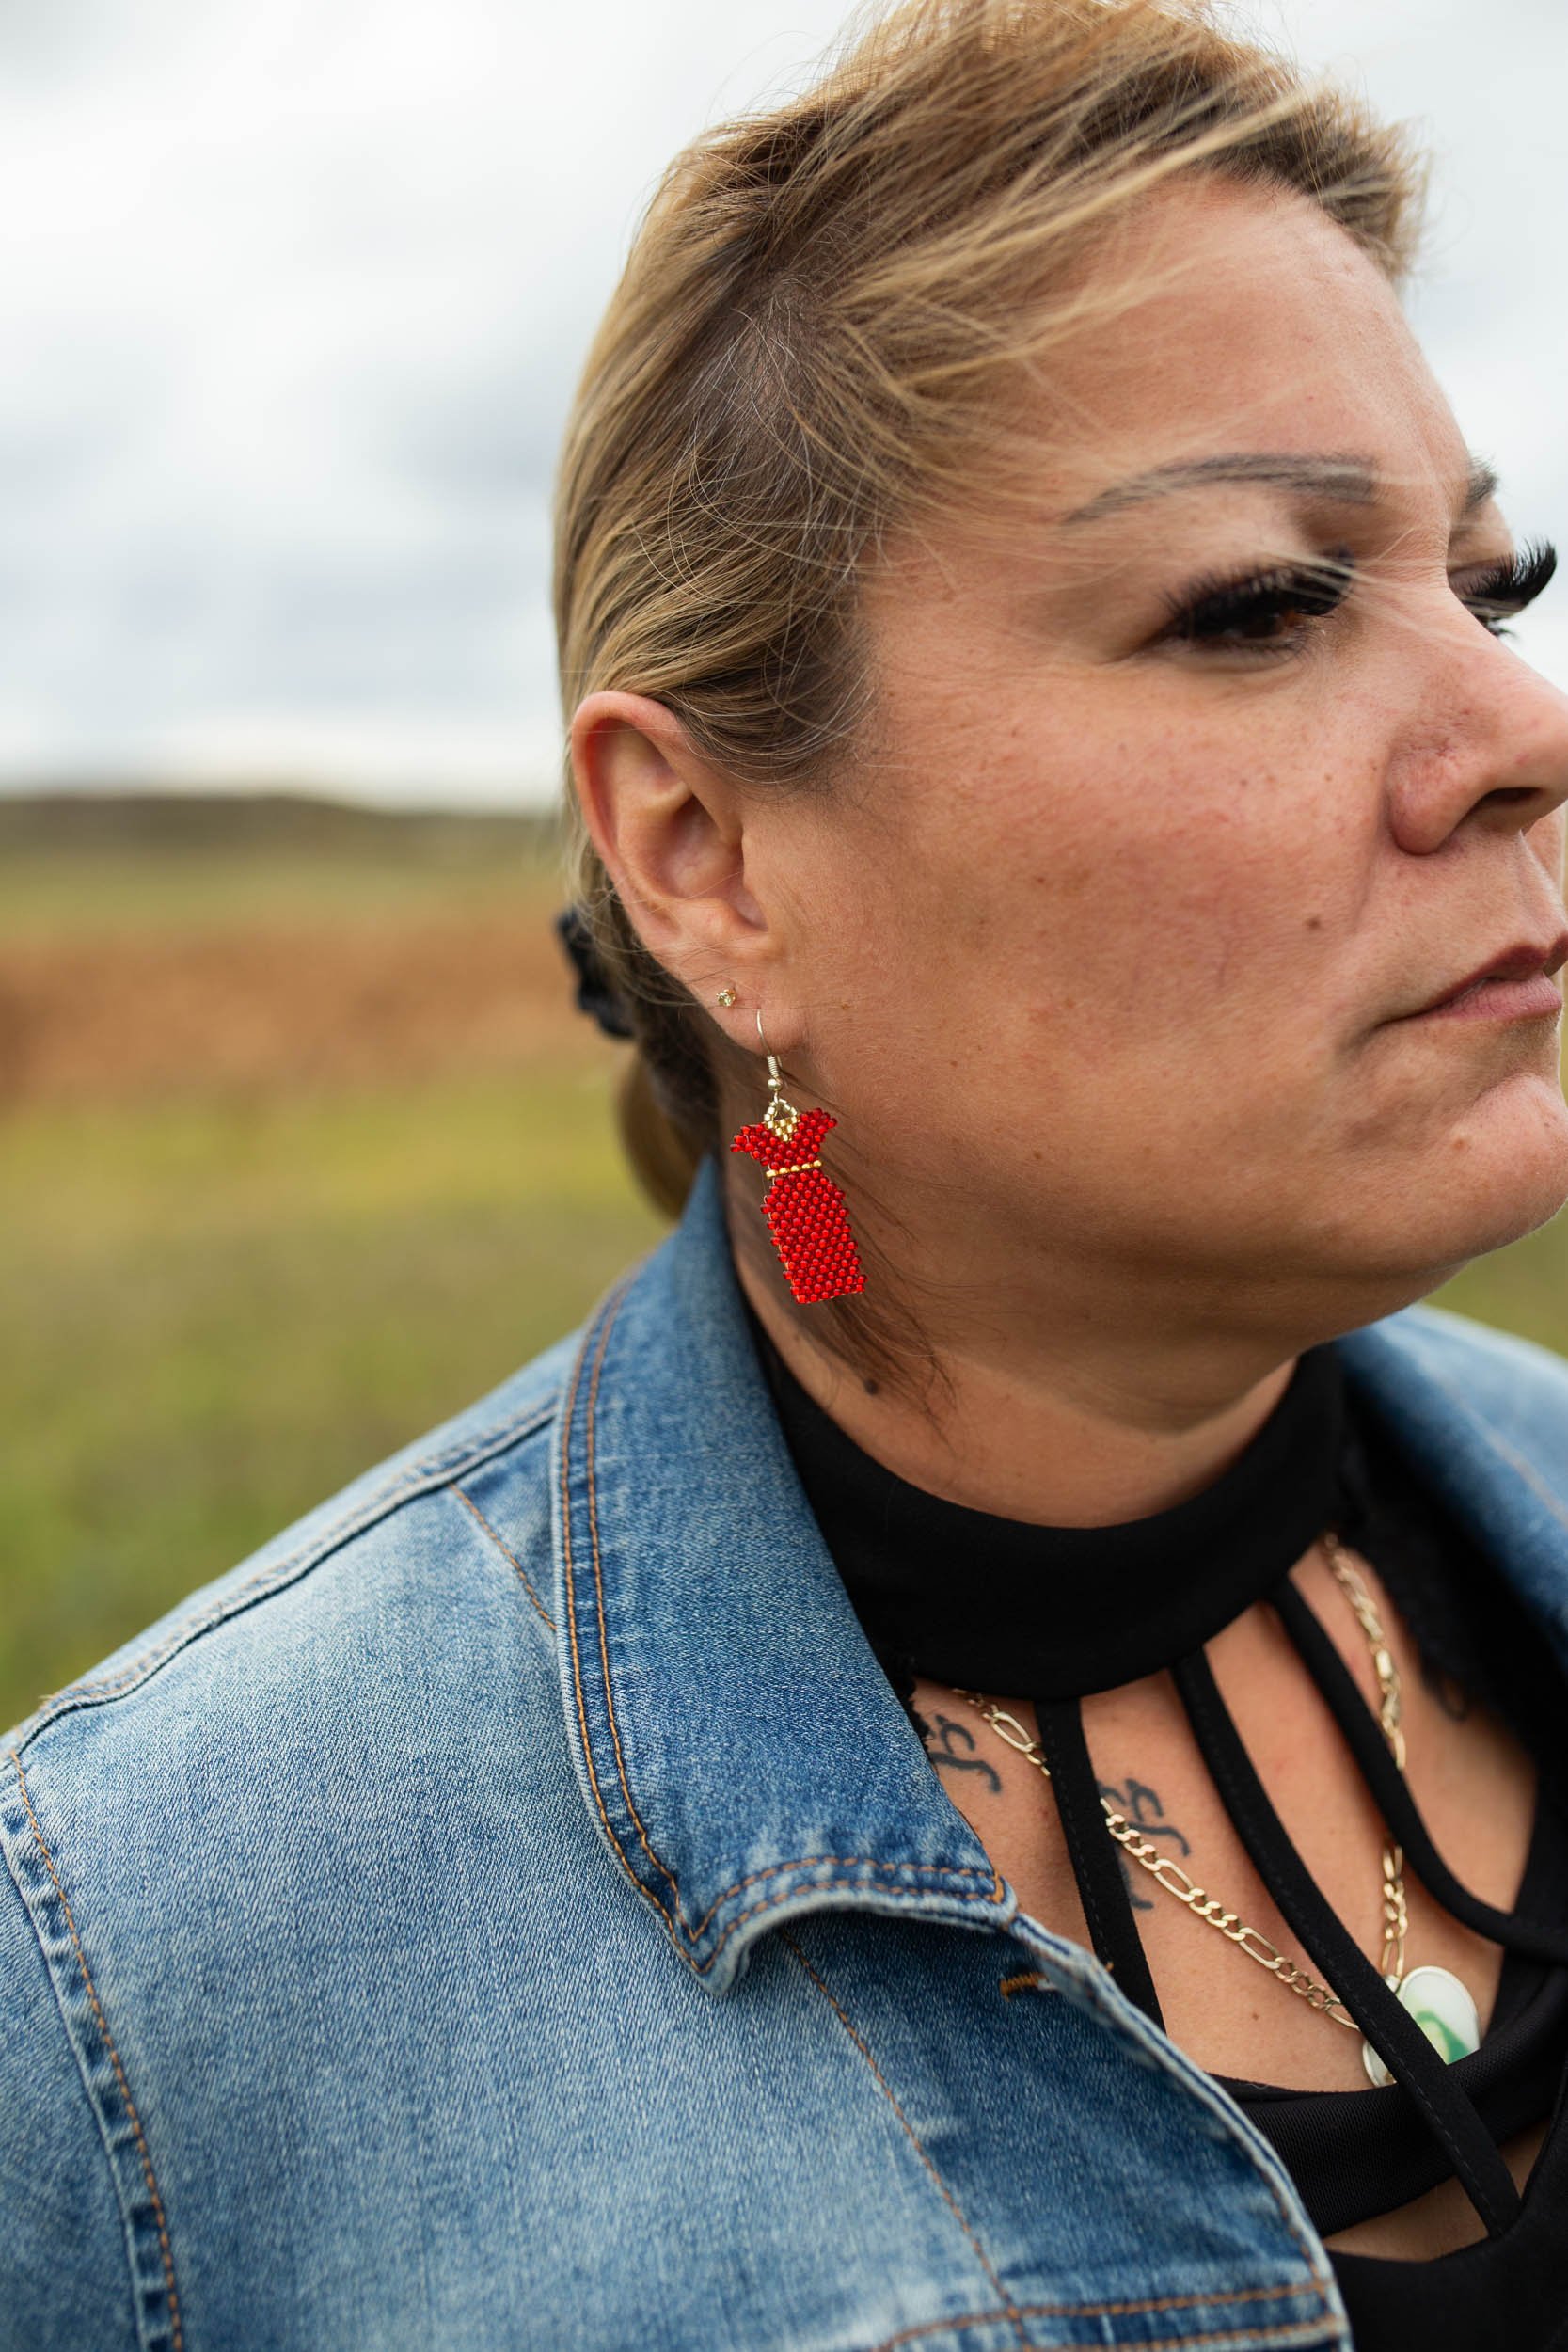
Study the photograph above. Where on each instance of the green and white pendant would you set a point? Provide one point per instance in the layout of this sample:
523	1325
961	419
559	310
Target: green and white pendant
1443	2010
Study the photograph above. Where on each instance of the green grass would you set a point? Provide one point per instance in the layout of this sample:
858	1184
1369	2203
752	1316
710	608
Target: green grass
1523	1289
217	1315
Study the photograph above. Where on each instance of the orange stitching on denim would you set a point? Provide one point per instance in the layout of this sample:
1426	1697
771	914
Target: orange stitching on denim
114	2056
588	1414
770	1902
1166	2303
991	1892
570	1581
1290	2331
693	1931
506	1554
1026	1981
676	1928
915	2142
317	1549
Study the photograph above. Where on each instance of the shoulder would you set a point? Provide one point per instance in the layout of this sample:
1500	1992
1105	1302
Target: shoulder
1482	1415
1517	1386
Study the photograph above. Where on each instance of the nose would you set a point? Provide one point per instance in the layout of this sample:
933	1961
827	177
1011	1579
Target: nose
1486	747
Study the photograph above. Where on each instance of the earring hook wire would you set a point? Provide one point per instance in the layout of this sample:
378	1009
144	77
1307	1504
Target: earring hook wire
780	1114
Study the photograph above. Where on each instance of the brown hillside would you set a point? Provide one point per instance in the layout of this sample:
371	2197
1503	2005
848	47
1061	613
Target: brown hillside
281	1006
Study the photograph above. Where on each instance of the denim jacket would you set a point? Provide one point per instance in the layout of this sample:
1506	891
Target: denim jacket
513	1908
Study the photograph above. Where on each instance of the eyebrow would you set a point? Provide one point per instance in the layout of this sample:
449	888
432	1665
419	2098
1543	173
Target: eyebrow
1348	481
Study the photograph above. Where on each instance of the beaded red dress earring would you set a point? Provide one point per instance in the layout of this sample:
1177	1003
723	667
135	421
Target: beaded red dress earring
803	1206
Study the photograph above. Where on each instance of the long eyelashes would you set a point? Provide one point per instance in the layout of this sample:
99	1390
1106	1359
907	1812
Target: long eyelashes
1509	587
1275	610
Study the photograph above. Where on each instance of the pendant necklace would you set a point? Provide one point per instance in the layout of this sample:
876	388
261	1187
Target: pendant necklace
1437	2000
1440	2003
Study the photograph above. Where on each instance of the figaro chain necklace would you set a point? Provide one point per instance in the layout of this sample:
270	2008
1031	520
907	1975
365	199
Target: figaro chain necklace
1440	2004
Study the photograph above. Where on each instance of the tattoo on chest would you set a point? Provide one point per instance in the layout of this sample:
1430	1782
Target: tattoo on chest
1141	1806
947	1755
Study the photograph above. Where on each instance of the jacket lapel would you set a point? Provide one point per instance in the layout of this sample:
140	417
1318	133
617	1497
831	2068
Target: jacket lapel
739	1746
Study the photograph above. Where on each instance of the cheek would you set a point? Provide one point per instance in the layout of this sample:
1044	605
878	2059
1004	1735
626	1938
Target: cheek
1151	919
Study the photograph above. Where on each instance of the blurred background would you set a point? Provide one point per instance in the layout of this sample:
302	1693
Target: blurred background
302	1145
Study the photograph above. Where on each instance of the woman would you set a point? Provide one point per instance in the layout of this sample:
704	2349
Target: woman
635	1868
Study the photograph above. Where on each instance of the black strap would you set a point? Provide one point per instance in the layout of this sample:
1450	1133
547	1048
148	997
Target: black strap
1320	1655
1392	2032
1096	1859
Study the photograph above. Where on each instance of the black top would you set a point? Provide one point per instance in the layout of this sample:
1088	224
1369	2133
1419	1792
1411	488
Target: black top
1054	1614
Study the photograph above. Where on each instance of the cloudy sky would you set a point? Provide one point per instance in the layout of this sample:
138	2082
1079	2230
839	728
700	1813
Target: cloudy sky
294	291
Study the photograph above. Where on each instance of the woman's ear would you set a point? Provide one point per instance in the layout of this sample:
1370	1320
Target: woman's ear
672	836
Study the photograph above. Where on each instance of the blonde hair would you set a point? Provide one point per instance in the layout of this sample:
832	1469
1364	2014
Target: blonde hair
812	342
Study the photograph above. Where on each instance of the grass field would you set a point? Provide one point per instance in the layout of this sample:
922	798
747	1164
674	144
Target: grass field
371	1172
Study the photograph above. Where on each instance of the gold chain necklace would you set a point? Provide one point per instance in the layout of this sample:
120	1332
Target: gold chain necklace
1437	2000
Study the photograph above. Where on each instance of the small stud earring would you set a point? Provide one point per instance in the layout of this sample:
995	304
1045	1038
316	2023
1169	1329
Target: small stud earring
726	997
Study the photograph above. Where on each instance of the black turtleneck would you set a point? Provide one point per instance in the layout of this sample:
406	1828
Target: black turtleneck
1060	1611
1051	1614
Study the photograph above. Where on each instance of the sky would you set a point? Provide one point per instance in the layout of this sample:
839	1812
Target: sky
295	293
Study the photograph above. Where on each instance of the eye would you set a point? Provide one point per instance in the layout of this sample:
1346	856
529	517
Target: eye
1502	594
1262	612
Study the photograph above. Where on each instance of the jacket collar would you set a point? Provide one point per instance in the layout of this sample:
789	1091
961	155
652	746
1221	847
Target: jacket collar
739	1746
737	1741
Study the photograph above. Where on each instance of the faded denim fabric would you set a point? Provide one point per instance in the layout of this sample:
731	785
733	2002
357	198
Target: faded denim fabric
514	1910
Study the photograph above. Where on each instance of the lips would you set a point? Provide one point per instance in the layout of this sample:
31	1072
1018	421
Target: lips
1521	961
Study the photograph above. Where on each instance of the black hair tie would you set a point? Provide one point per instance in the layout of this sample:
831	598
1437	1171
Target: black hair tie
595	995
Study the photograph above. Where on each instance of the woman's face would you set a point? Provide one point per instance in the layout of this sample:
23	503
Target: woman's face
1110	958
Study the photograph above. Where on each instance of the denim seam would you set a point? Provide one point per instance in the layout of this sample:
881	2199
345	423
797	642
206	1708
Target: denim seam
506	1554
425	1475
770	1903
677	1922
1288	2332
166	2252
915	2142
590	1416
990	1893
568	1419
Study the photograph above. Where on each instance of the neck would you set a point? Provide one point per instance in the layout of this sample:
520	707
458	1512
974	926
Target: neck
1085	1436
